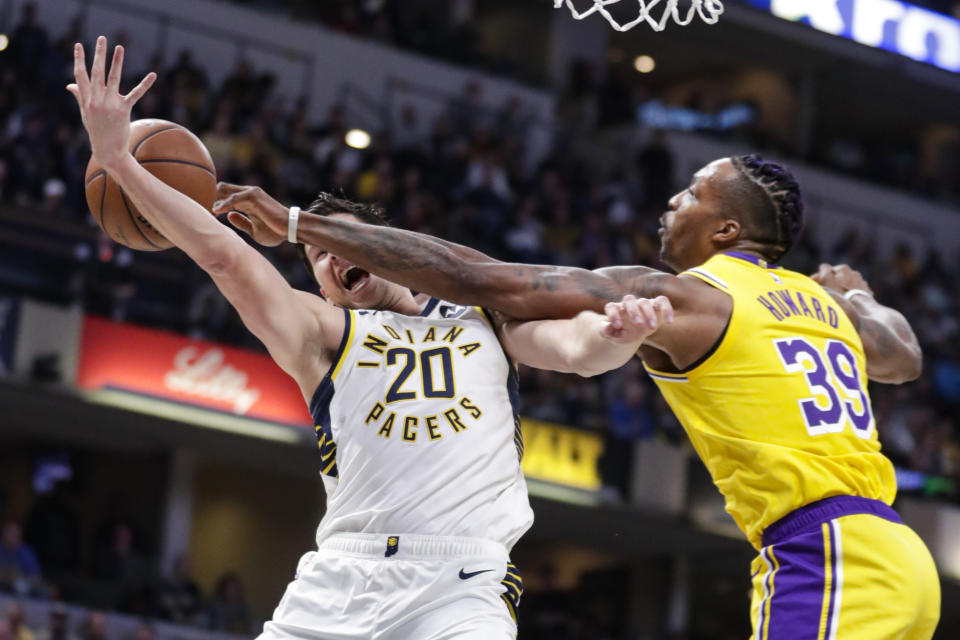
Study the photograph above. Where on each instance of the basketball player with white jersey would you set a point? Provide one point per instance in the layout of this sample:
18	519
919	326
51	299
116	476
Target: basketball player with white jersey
414	401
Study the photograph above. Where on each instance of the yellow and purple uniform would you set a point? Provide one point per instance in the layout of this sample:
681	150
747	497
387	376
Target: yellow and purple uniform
780	415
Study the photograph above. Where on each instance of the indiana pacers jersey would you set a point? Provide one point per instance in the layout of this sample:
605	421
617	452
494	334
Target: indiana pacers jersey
779	411
418	429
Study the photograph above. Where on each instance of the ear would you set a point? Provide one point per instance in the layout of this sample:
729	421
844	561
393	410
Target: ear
727	230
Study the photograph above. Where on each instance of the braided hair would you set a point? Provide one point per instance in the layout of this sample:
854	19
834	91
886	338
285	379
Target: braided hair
327	204
778	211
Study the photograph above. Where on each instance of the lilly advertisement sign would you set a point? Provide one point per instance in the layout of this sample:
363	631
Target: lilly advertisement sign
176	368
896	26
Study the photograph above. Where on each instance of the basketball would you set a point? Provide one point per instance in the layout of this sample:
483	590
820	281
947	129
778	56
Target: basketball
171	153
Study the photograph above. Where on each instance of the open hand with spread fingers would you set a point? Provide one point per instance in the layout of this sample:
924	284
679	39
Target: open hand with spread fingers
253	211
105	112
634	319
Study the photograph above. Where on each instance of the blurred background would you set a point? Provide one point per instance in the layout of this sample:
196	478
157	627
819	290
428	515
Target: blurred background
158	474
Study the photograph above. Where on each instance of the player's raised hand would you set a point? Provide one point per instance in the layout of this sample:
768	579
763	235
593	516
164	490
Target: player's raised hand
841	278
633	319
105	112
253	211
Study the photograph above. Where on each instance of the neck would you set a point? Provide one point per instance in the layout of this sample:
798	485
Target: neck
746	247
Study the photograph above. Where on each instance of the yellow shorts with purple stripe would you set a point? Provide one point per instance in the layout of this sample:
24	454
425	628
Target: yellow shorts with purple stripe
844	568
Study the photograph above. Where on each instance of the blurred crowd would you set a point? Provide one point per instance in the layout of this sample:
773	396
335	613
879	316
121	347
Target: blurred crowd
460	177
93	626
925	161
43	559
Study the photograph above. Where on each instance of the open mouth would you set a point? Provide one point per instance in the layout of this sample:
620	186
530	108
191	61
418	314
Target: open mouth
353	278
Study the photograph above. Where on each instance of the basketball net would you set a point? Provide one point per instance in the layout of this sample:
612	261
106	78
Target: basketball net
708	10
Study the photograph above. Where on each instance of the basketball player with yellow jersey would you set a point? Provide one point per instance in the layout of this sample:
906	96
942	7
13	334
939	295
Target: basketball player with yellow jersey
767	370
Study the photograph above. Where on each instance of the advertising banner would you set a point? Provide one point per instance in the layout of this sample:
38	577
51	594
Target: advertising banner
893	25
174	367
562	455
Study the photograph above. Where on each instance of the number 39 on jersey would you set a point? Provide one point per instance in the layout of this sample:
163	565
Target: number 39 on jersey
838	394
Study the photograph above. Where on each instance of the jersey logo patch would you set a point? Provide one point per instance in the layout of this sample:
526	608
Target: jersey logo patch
393	545
451	311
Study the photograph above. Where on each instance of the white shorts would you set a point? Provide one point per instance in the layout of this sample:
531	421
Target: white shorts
405	587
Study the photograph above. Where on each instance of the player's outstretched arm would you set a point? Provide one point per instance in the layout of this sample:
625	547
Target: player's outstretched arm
290	323
447	270
893	352
590	343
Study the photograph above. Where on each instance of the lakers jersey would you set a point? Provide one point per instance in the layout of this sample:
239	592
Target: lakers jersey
418	429
779	411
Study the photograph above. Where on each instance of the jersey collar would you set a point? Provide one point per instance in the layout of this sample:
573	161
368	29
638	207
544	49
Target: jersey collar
757	260
428	309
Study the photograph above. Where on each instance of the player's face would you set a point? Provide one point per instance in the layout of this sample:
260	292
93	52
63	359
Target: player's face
688	226
344	284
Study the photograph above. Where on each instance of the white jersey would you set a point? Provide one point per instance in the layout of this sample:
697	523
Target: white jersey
418	429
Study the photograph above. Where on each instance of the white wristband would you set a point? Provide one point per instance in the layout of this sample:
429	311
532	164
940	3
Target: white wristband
294	216
852	292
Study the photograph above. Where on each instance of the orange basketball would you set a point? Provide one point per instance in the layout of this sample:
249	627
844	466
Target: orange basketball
171	153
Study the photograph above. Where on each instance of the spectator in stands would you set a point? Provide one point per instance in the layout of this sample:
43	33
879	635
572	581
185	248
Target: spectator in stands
144	631
228	608
53	531
59	626
180	599
95	626
125	573
16	623
29	42
628	422
19	568
654	163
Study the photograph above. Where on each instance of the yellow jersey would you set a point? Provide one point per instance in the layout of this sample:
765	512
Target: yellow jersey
779	411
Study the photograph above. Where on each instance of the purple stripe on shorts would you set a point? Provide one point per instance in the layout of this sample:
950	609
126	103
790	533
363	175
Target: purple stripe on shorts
816	513
797	602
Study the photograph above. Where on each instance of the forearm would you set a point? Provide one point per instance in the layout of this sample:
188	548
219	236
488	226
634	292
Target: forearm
459	274
593	353
893	340
892	350
576	345
183	221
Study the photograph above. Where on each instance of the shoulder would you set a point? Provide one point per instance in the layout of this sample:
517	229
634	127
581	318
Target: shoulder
329	321
329	329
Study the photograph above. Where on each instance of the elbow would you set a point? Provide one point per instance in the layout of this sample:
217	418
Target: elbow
584	365
913	364
905	368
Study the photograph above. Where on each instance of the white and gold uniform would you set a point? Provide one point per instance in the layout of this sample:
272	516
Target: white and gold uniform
420	454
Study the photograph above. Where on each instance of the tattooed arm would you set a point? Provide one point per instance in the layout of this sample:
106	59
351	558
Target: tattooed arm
446	270
893	353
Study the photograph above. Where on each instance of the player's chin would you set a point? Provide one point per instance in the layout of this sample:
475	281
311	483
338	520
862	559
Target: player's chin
666	256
